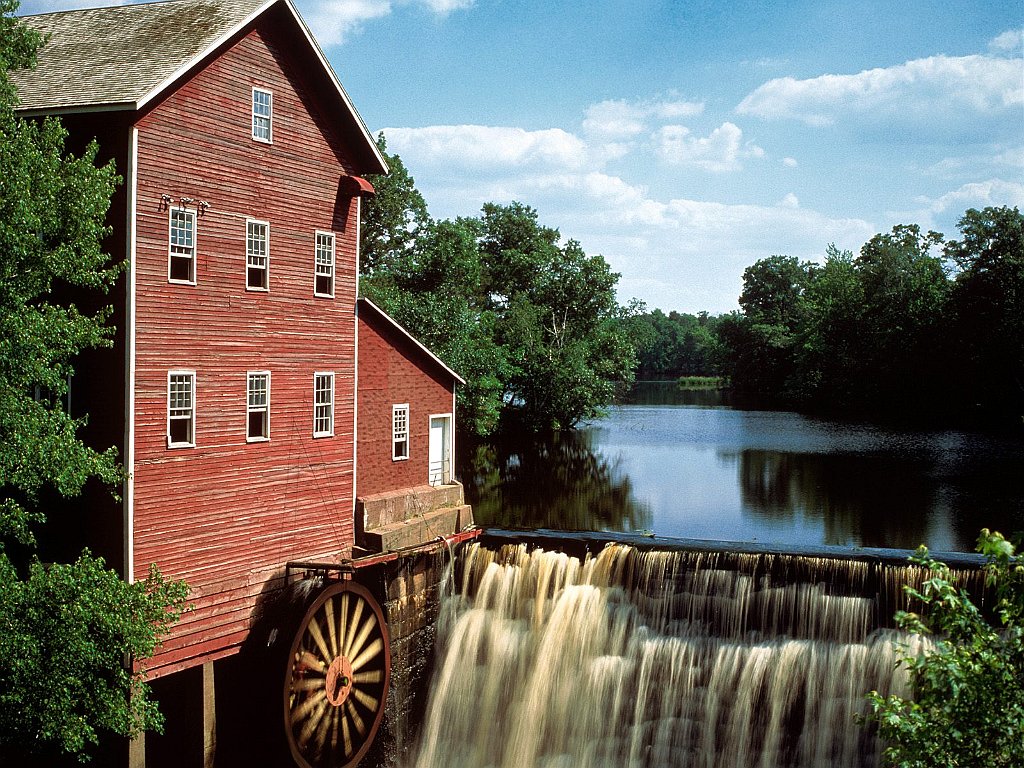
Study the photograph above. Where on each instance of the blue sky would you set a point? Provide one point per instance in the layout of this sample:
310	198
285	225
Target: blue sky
686	140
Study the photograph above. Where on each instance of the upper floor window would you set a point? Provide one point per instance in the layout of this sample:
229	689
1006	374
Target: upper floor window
323	404
182	264
400	432
258	414
257	255
324	280
262	114
181	409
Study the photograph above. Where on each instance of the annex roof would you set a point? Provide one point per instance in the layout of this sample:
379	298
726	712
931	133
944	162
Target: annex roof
123	57
375	311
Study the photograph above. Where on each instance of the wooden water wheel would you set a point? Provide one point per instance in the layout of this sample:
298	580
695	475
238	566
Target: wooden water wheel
337	678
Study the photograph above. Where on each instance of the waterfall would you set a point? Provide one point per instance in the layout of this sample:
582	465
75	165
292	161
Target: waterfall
646	659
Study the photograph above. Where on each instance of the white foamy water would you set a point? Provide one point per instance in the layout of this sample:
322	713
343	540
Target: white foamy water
637	659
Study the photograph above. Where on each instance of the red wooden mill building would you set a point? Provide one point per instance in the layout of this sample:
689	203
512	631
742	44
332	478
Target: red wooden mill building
264	414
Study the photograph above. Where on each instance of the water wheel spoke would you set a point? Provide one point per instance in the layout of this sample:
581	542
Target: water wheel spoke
332	632
364	632
309	663
311	724
302	685
346	735
342	620
369	676
323	726
321	644
335	717
357	721
371	650
353	623
301	712
368	701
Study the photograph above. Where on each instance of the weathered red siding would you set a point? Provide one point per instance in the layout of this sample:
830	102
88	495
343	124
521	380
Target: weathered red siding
228	514
393	370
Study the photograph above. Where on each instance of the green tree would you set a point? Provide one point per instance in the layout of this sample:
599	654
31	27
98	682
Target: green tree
392	219
987	305
557	318
968	692
65	630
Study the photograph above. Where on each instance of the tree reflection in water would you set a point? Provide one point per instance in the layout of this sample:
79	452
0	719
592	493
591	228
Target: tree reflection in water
525	481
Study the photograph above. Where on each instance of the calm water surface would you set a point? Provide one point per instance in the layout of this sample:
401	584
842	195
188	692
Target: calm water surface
706	472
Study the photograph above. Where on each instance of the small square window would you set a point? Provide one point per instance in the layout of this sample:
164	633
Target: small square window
400	432
324	277
181	409
262	115
182	261
257	255
323	404
258	409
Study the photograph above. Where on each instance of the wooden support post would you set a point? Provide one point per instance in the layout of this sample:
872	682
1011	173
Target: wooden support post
137	751
209	717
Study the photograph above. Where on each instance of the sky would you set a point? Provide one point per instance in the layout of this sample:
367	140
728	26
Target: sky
685	140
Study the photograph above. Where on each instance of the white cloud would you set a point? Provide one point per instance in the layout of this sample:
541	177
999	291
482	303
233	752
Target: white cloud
1010	41
486	148
720	151
979	194
334	21
920	90
996	160
621	119
789	162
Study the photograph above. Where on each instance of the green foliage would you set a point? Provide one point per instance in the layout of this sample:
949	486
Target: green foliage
672	345
889	332
392	219
530	323
52	221
968	693
65	633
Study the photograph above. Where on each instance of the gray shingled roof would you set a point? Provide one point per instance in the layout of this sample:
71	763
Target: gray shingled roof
102	57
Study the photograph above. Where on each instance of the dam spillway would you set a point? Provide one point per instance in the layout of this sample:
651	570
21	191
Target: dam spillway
638	658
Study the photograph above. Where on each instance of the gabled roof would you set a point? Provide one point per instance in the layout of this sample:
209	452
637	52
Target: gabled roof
124	57
367	308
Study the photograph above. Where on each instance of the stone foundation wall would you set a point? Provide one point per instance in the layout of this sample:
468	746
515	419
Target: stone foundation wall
414	587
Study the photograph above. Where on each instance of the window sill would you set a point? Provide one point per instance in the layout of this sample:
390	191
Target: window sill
399	458
251	289
172	281
322	434
171	445
324	295
257	439
259	140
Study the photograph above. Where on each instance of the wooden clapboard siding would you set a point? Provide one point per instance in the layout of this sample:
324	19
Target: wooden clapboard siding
394	370
227	514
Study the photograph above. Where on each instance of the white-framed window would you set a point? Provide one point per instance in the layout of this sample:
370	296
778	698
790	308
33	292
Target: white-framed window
324	279
181	267
400	432
181	409
258	408
323	404
262	115
257	255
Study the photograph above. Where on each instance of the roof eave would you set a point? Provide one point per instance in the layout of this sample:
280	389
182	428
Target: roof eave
77	109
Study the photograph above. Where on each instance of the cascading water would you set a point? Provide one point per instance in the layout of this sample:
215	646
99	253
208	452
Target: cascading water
644	659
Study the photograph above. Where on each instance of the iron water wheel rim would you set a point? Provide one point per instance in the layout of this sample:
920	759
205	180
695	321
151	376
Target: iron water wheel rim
336	679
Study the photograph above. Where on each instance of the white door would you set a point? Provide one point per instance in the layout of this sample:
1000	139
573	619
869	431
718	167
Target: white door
440	460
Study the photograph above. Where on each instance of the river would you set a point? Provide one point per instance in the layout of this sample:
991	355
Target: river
695	468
